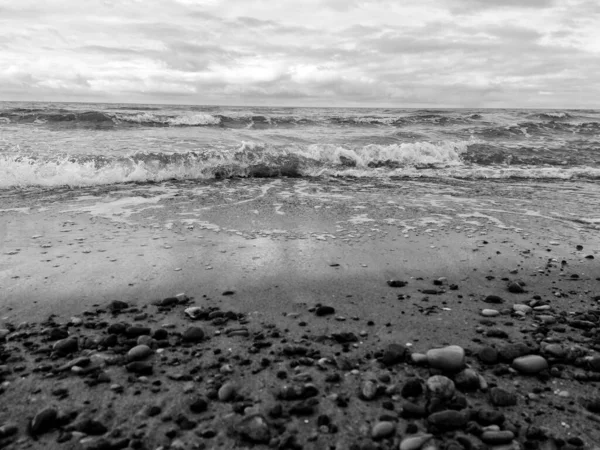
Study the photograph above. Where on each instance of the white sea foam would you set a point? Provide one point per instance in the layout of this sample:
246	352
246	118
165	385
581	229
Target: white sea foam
190	119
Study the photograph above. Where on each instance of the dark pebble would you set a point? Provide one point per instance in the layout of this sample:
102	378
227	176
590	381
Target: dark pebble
199	405
325	310
140	368
515	288
44	421
66	346
137	331
193	334
412	388
117	305
393	354
501	397
488	355
117	328
493	299
448	420
397	283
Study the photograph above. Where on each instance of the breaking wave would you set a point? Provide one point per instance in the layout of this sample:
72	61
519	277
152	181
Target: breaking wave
420	159
248	160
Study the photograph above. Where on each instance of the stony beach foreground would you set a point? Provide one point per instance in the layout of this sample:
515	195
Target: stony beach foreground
301	314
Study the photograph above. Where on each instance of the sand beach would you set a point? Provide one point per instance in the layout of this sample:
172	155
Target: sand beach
289	281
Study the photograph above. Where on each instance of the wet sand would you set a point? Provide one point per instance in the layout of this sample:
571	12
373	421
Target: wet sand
279	248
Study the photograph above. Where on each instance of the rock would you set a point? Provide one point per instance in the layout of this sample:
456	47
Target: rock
441	387
515	287
117	306
139	352
489	417
412	388
555	351
193	334
397	283
44	421
137	331
410	409
89	426
592	404
254	429
448	420
325	311
368	390
393	354
530	364
497	437
509	352
227	392
488	355
193	312
418	358
8	429
501	397
415	442
383	430
490	312
447	359
522	308
66	346
493	299
467	380
199	405
139	367
117	328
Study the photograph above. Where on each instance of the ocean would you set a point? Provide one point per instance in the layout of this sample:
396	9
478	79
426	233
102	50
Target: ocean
82	144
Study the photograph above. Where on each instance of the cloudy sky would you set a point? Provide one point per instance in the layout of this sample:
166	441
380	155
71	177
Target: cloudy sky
444	53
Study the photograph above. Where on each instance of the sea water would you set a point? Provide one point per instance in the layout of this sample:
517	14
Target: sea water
79	144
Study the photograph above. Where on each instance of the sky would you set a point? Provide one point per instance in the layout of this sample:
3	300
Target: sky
392	53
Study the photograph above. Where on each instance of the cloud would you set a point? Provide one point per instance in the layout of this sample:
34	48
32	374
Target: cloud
369	52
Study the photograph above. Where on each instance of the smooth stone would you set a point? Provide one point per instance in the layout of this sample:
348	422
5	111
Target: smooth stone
325	310
44	421
448	420
139	367
501	397
255	429
412	388
441	387
193	334
449	359
415	442
383	429
139	352
530	364
393	354
368	390
227	392
117	305
555	351
467	380
418	358
490	312
497	437
488	355
66	346
137	331
515	288
522	308
493	299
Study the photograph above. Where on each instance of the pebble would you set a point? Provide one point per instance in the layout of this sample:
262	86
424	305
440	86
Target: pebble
414	442
448	420
448	359
515	288
412	388
467	380
227	392
383	430
490	312
397	283
493	299
193	334
501	397
140	368
66	346
488	355
44	421
393	354
139	352
137	331
254	429
530	364
325	311
522	308
497	437
368	390
441	387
